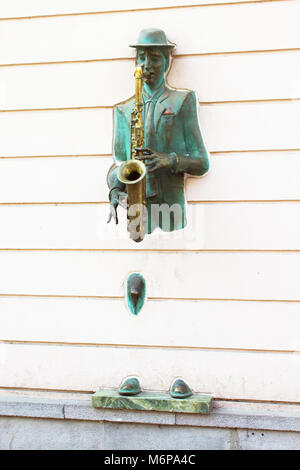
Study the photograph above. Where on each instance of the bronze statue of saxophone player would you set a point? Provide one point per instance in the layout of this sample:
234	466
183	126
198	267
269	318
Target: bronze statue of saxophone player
173	144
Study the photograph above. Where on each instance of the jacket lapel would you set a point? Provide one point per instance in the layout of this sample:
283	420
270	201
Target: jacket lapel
160	107
128	107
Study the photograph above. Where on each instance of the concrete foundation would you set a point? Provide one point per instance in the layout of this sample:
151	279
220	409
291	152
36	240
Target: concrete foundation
67	422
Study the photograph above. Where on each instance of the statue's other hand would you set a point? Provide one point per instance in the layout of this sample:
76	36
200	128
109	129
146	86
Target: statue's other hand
116	199
113	212
155	160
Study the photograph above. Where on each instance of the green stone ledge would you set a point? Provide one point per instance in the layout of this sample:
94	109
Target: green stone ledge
153	401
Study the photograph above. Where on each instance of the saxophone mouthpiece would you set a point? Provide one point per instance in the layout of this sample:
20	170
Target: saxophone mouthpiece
138	73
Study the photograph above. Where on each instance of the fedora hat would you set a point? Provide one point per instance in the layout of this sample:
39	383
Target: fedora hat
152	38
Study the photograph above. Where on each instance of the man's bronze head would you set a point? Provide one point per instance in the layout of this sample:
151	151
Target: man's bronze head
153	54
154	62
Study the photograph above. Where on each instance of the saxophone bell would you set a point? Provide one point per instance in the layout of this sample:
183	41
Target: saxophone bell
131	172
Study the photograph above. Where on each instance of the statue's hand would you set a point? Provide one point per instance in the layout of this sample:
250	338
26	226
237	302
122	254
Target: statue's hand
155	160
115	199
112	214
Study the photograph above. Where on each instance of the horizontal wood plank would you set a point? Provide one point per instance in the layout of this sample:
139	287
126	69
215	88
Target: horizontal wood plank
56	132
248	176
216	275
242	226
236	375
215	78
232	177
242	126
215	324
19	8
108	36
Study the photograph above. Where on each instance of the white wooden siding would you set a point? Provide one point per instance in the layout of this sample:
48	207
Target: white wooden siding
240	226
224	301
19	8
244	77
218	29
272	125
246	375
252	176
261	275
208	324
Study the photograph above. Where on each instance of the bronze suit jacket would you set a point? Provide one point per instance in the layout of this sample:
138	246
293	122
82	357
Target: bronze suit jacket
177	131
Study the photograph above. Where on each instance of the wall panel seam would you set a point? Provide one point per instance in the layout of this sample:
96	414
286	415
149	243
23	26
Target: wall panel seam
154	250
176	56
194	202
137	10
143	346
106	155
101	155
103	297
202	103
88	392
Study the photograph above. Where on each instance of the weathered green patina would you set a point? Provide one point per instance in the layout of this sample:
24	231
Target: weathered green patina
130	386
180	389
173	141
135	292
153	401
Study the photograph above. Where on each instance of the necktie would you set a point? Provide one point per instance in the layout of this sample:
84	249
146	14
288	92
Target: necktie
150	137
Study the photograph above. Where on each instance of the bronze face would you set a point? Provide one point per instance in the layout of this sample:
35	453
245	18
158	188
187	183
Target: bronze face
153	63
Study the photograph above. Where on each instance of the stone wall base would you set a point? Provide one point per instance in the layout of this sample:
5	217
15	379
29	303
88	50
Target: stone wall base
40	420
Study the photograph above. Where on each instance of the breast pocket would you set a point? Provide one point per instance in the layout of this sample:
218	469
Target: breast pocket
167	124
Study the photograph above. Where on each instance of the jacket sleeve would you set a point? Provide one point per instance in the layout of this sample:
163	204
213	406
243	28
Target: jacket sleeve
120	146
112	180
121	136
196	161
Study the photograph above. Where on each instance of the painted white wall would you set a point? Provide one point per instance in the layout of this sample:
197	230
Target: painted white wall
274	125
221	28
224	302
244	77
19	8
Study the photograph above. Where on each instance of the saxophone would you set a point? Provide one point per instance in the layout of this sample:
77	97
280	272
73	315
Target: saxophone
133	172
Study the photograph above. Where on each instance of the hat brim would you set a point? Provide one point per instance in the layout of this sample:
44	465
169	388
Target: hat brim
152	45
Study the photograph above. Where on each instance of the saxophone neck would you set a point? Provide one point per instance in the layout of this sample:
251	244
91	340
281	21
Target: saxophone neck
138	75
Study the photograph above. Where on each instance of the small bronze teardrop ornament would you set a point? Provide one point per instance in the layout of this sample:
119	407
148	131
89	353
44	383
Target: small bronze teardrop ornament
135	292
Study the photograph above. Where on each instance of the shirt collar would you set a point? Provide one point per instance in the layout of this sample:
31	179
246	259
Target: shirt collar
156	94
